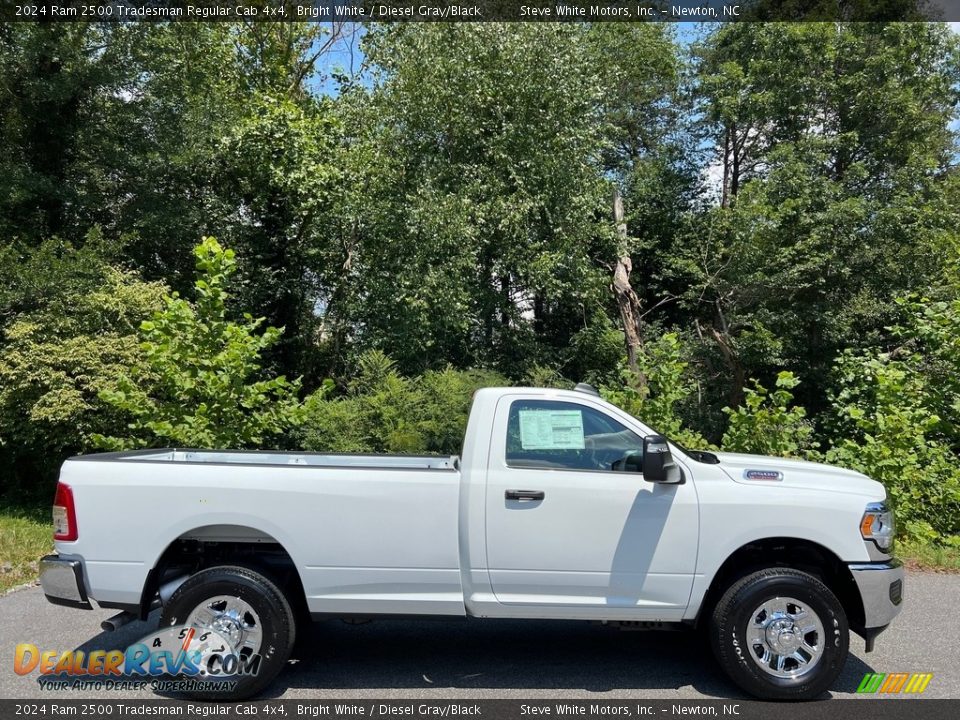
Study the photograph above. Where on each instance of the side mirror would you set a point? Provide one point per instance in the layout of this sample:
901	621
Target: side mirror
658	464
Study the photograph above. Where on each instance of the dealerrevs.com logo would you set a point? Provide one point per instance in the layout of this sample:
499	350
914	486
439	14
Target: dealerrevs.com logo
169	660
891	683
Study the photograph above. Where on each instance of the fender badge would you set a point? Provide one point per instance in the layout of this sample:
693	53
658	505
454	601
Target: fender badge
762	475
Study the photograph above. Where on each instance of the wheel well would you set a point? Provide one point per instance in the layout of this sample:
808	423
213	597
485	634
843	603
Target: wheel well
206	547
794	553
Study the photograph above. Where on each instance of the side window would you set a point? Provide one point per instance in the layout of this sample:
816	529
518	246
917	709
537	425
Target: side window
568	436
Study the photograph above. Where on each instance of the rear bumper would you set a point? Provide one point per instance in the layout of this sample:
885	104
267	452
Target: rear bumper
62	580
881	590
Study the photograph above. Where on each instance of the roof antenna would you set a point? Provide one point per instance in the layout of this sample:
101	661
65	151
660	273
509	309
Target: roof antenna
588	389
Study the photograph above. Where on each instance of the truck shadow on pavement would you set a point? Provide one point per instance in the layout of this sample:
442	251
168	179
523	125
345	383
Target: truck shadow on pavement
494	658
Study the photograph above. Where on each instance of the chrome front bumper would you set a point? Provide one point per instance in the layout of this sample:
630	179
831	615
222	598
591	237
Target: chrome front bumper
881	590
62	581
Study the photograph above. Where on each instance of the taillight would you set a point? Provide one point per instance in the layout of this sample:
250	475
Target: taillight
64	514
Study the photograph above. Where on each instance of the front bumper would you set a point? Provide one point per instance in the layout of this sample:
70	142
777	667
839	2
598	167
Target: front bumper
881	591
62	581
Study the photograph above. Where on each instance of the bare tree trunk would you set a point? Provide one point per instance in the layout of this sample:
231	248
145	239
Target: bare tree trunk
725	196
333	322
539	310
505	300
738	377
488	307
627	300
735	175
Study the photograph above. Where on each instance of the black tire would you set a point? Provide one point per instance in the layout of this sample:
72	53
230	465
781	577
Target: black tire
276	619
733	615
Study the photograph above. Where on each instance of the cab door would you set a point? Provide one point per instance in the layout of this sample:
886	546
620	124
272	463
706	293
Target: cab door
565	530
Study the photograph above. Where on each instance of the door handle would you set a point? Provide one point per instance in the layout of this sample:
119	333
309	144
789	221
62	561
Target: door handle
524	495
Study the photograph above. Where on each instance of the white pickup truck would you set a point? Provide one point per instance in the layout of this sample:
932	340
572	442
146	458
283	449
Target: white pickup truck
561	506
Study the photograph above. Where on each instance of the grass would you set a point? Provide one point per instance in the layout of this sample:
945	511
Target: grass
927	556
26	535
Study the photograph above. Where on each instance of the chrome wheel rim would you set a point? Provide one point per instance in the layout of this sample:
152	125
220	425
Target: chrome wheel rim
231	618
785	637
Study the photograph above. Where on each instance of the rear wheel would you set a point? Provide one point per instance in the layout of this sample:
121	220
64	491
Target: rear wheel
780	634
247	610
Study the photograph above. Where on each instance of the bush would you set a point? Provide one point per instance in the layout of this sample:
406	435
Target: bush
898	414
383	411
57	360
197	386
546	376
766	424
889	433
446	398
931	349
655	394
385	404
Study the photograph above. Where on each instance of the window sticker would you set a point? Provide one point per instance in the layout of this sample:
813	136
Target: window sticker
551	430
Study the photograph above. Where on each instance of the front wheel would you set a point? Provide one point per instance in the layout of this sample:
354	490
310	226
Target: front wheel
250	613
780	634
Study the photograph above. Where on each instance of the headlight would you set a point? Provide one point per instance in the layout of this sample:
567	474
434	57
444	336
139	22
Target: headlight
877	525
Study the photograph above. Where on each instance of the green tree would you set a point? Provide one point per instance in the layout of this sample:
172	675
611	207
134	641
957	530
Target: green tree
52	76
183	92
832	148
275	164
162	133
929	344
198	386
34	275
73	335
481	196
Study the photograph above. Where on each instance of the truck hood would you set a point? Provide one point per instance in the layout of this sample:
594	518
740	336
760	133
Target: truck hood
785	472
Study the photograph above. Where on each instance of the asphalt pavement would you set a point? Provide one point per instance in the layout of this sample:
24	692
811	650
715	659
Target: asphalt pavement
485	659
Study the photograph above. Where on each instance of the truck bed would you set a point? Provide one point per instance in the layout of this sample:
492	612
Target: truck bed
256	457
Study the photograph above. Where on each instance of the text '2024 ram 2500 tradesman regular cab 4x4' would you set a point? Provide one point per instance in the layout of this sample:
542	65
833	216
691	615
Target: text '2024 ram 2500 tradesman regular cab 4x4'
561	506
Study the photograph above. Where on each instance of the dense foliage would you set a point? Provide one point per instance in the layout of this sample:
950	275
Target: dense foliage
62	353
196	385
413	211
383	411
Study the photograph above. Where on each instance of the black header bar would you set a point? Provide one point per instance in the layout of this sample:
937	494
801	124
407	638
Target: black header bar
420	709
478	10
